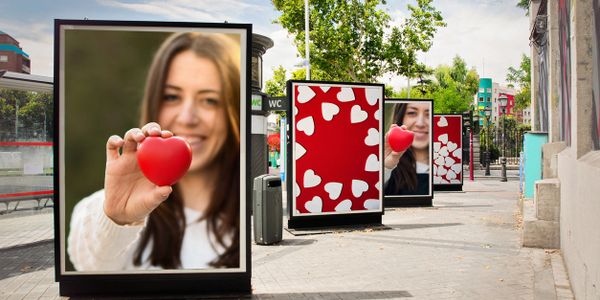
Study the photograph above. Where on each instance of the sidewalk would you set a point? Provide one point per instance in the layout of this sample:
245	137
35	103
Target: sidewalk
465	247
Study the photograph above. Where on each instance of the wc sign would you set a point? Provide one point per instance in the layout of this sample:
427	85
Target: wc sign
275	104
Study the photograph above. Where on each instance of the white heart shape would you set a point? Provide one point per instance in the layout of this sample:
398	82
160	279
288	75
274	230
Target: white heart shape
296	190
373	96
437	179
345	95
455	181
442	171
324	88
329	110
443	151
359	187
435	155
451	175
457	168
334	189
305	93
457	153
314	205
307	125
300	151
311	179
377	115
295	110
345	205
372	138
442	122
372	164
443	181
372	204
449	161
357	115
439	161
378	185
443	138
452	146
436	146
435	169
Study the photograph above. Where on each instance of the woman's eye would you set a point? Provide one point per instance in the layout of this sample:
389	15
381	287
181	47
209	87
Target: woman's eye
170	97
212	102
411	113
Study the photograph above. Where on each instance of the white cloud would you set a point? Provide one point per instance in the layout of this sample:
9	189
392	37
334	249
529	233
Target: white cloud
283	53
37	41
196	10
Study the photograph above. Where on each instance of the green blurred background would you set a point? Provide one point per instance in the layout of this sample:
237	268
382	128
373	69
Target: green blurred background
105	73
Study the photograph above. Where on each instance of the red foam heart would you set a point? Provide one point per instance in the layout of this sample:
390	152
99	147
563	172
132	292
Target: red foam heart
400	139
164	161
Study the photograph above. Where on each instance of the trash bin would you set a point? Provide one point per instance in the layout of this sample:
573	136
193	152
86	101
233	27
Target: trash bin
267	209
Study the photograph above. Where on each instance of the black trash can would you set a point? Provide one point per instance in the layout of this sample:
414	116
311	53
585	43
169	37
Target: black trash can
267	209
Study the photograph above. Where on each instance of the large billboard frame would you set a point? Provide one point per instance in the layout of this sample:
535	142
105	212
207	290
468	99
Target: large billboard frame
411	200
315	220
167	282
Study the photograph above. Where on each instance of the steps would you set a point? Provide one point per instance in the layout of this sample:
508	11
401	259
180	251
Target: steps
541	227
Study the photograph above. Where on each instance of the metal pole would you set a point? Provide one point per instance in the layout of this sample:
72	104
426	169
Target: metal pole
503	159
471	178
487	150
16	118
306	39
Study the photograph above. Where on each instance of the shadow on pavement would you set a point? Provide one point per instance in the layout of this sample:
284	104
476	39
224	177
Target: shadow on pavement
26	258
417	226
337	295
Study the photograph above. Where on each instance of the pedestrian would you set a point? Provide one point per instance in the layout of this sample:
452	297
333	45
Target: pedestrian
407	172
192	91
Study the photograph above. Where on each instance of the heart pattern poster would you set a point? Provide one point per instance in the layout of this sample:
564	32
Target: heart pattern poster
447	149
336	148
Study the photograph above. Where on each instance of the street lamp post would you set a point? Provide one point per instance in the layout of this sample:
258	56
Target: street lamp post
503	101
488	113
473	128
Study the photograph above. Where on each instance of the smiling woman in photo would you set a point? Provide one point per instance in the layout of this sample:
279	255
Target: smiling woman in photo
192	91
407	172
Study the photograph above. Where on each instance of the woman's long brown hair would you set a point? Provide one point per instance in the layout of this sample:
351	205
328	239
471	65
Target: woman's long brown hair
404	176
166	224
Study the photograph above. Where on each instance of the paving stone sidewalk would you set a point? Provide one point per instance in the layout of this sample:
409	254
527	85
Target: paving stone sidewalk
465	247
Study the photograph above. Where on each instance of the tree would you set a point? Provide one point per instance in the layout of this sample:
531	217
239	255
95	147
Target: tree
522	77
454	87
276	86
524	4
348	41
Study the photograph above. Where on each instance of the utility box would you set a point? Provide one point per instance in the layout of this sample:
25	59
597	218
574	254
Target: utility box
267	209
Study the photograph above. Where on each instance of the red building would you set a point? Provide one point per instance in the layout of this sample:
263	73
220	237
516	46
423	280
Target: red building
12	57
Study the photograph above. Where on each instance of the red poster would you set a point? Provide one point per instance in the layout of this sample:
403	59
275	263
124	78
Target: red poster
447	149
336	148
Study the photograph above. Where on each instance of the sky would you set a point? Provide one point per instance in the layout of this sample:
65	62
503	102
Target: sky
490	35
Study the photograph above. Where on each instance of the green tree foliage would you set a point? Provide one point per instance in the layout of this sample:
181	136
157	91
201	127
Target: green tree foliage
522	77
276	85
348	41
454	87
524	4
34	110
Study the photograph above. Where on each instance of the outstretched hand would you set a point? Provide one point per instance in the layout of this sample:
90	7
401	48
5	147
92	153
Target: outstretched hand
130	197
391	157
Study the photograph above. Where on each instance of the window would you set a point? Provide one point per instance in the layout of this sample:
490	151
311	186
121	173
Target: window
3	58
489	90
481	90
480	99
488	99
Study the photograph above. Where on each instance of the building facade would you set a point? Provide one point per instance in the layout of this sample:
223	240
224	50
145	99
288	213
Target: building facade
565	40
12	56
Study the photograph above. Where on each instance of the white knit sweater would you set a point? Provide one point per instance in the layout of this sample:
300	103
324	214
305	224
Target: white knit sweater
96	243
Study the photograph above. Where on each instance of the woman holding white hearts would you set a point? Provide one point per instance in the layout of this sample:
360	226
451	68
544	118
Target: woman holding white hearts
407	172
192	91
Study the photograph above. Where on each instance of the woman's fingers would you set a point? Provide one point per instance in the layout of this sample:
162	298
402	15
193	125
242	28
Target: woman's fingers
112	147
151	129
166	134
132	138
159	194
